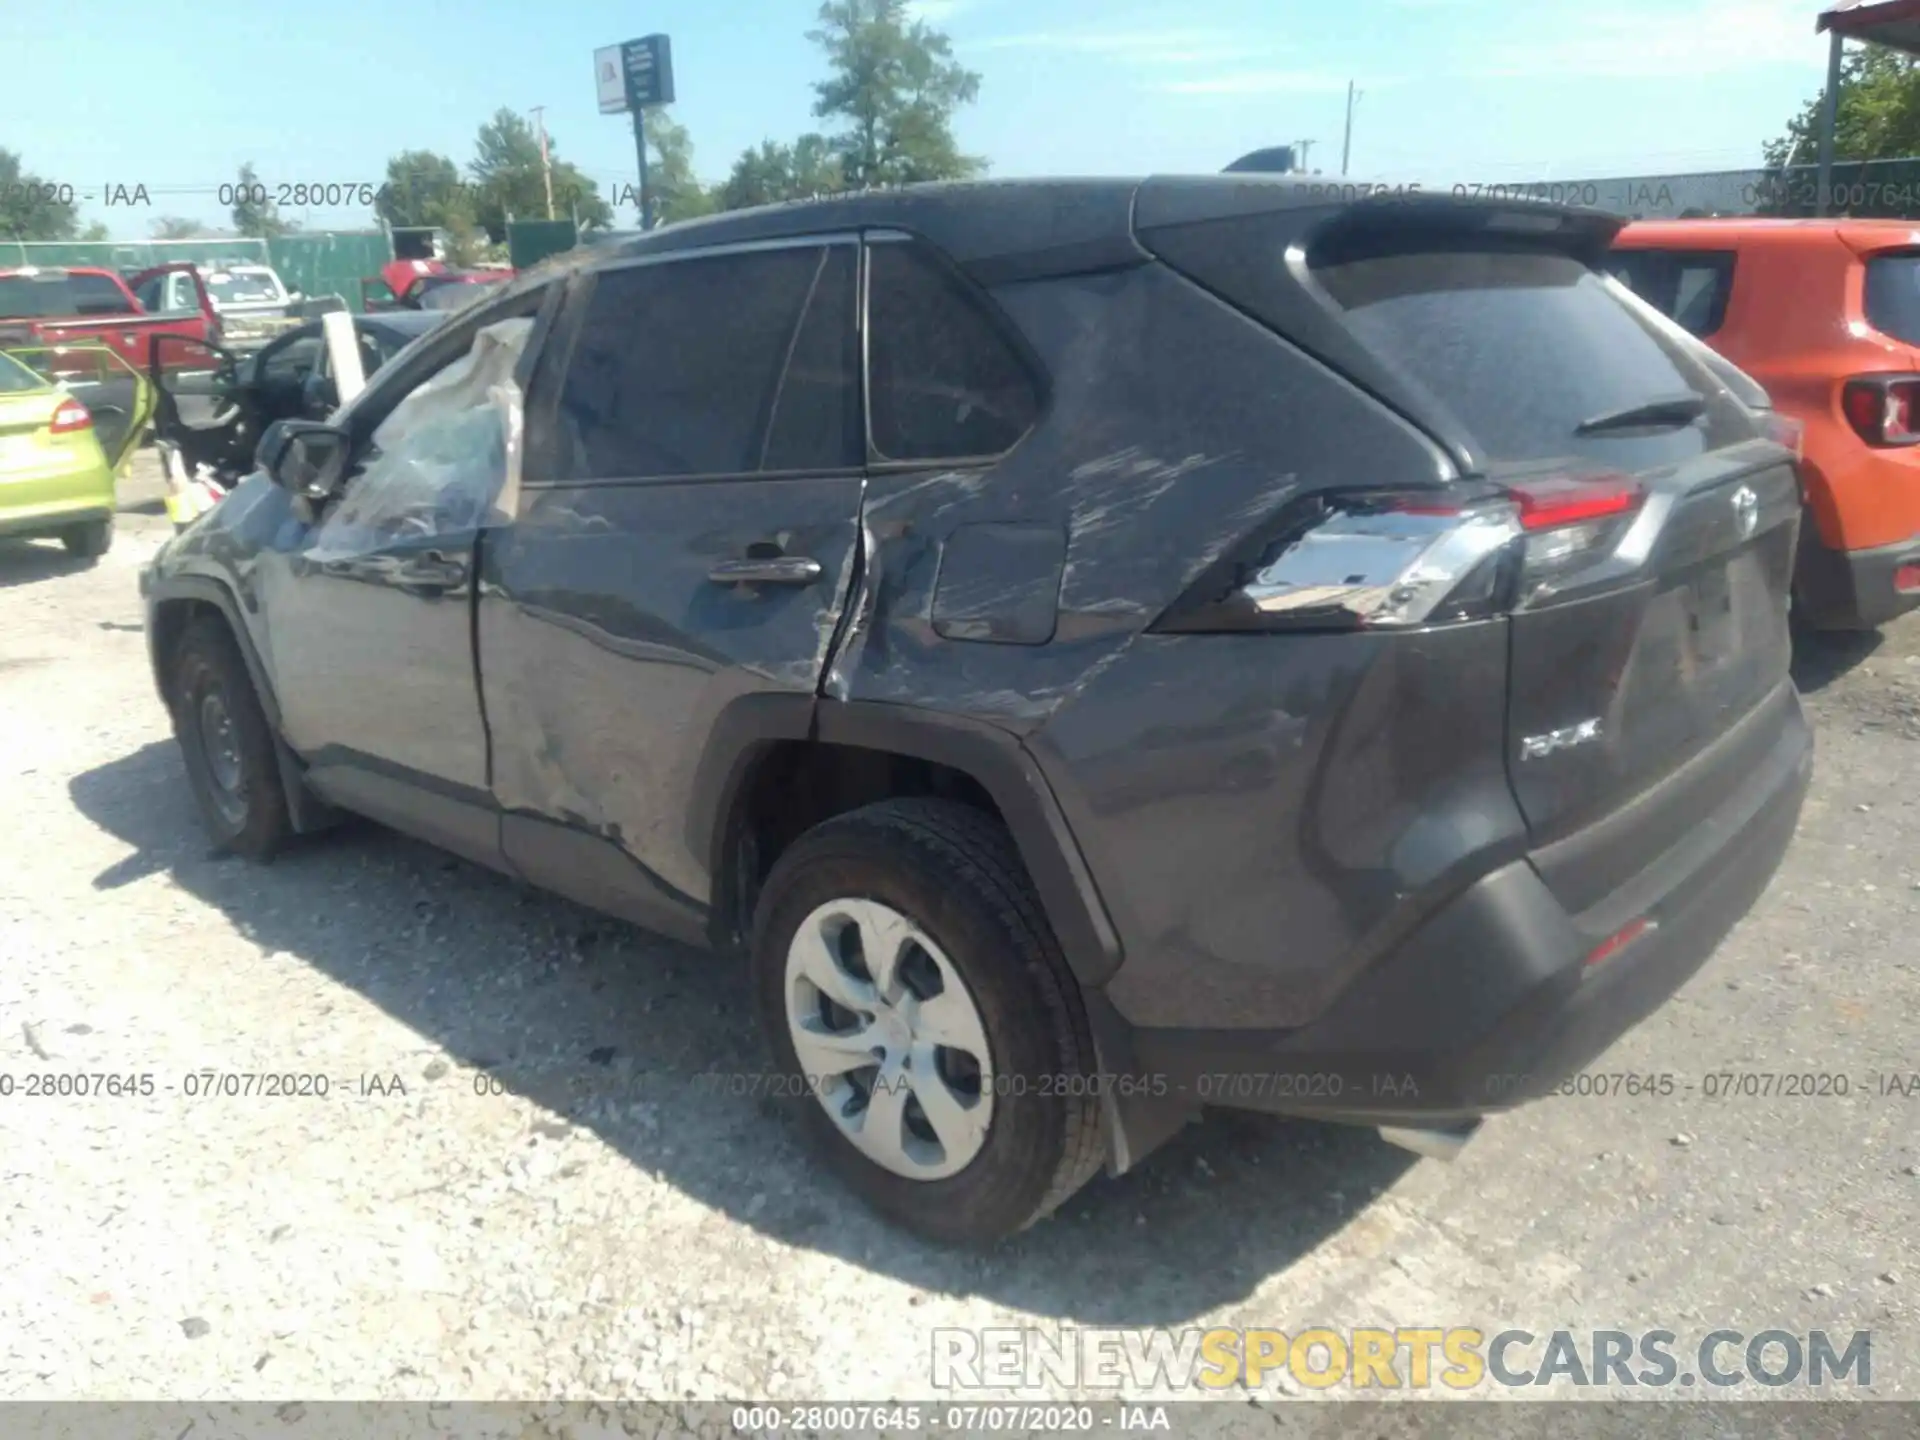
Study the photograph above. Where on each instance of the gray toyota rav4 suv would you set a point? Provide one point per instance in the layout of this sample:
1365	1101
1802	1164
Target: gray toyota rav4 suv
1101	649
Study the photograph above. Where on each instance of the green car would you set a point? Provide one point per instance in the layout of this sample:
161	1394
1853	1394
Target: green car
58	454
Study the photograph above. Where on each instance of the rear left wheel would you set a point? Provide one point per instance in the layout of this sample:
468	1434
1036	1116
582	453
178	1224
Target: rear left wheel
89	540
925	1020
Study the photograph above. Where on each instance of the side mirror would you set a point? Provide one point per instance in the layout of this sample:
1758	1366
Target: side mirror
303	457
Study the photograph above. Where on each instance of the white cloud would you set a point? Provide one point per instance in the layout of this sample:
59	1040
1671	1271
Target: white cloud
1715	37
936	12
1260	82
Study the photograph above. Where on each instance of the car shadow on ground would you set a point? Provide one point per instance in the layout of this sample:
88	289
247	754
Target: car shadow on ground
1821	657
652	1047
29	562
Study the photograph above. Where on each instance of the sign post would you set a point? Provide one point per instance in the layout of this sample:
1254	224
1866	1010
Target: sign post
631	77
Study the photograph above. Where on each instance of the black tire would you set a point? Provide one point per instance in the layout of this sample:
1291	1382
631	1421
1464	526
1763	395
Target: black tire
248	817
89	540
954	872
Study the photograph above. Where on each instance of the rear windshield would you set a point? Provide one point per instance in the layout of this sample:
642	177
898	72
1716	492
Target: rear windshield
1523	347
241	287
1893	296
16	378
28	297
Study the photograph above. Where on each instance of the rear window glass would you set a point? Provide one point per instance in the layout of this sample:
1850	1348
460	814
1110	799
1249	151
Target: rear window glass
34	296
1893	296
1689	287
1523	348
16	378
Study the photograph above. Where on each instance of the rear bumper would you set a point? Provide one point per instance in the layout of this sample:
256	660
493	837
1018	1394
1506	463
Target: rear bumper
1851	589
1492	1002
47	517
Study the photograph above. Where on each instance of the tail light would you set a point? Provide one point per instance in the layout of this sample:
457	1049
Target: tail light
1390	560
1883	409
71	416
1906	579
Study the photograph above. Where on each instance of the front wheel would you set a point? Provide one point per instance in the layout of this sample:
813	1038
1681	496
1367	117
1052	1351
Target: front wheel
227	743
920	1010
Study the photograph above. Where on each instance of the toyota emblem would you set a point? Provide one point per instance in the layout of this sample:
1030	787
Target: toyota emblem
1746	510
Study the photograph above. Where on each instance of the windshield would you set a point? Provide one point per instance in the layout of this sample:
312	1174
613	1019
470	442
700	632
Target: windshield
243	287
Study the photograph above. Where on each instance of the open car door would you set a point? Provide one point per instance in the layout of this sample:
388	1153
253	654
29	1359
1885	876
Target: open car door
201	417
161	294
119	397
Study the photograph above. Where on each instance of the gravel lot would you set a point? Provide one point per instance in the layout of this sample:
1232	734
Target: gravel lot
549	1201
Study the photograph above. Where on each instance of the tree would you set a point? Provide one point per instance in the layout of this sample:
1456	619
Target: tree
1879	116
174	227
677	191
508	181
96	231
894	85
427	189
254	212
32	208
772	172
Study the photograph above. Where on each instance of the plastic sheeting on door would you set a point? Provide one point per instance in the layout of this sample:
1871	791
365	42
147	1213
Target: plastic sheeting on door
447	459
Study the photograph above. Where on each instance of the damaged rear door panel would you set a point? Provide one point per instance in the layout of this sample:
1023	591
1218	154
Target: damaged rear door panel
685	541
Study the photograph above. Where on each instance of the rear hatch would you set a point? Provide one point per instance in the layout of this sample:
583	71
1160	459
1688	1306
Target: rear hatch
1649	620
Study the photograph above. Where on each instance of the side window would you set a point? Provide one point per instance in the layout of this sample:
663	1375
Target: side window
437	459
676	368
1689	287
96	295
149	293
293	360
816	410
944	382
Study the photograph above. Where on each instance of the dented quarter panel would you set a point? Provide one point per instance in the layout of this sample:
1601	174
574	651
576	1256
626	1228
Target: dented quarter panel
1317	785
609	653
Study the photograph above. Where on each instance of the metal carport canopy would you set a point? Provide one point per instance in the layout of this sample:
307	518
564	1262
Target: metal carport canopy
1893	23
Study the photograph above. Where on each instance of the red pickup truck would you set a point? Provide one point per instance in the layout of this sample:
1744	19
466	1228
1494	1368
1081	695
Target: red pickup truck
43	306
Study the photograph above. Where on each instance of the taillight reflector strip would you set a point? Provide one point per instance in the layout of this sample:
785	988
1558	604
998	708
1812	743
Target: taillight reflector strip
1619	940
1906	579
1568	500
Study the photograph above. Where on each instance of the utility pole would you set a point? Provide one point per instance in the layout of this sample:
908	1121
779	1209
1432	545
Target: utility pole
1346	144
640	145
546	165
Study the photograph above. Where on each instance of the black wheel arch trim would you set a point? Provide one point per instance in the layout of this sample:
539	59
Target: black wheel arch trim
993	757
305	810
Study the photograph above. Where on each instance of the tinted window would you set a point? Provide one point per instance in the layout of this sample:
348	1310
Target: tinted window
945	382
26	296
816	413
293	359
1893	296
1689	287
676	366
1522	347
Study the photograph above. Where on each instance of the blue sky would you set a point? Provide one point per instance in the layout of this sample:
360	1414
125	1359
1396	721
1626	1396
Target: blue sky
175	96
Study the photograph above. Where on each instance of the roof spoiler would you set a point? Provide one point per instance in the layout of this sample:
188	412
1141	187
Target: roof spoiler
1347	214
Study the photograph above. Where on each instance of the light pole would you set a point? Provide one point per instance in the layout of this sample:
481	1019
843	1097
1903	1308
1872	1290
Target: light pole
546	165
1346	143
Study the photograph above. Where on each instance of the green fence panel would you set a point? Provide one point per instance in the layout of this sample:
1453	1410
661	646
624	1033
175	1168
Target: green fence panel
327	262
531	241
130	255
330	262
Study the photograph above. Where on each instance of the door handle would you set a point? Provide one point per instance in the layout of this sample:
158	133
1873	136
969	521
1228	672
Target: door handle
772	570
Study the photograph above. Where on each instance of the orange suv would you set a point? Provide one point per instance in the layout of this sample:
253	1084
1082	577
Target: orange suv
1825	314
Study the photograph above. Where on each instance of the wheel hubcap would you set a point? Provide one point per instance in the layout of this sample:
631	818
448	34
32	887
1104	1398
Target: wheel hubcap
888	1038
220	744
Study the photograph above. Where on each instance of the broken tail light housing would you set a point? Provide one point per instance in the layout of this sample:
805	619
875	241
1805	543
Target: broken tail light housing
71	416
1398	559
1884	410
